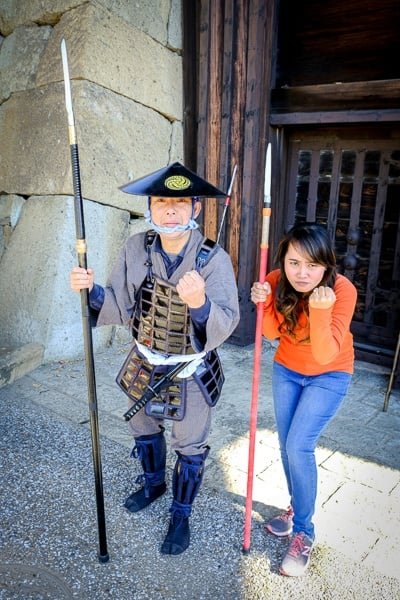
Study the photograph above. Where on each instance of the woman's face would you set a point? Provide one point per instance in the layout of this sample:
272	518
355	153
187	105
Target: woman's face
303	274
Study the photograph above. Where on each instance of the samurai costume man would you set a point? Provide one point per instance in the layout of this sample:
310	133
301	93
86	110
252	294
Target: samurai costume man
177	291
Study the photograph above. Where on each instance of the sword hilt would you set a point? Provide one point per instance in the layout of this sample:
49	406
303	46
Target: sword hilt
153	391
139	404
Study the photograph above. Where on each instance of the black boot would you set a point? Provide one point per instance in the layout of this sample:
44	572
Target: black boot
152	452
186	481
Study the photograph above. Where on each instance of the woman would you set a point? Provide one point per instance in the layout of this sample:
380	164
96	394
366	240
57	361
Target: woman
309	307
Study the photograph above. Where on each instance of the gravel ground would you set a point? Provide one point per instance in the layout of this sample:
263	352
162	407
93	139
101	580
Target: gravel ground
48	544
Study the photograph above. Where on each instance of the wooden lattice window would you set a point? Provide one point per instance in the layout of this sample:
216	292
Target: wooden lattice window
354	189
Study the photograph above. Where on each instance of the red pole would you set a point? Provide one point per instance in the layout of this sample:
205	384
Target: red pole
266	214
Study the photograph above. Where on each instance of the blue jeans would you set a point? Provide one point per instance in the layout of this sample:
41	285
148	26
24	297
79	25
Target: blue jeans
303	406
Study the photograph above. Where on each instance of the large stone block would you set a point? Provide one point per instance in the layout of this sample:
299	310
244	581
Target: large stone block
19	58
44	12
10	208
17	362
106	50
176	153
175	25
154	17
150	16
2	239
37	304
118	139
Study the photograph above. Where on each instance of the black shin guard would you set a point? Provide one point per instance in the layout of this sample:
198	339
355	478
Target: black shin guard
151	451
187	478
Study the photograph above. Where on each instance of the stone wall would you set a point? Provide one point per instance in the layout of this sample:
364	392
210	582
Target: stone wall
126	79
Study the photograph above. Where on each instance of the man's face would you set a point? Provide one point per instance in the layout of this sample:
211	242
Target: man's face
169	212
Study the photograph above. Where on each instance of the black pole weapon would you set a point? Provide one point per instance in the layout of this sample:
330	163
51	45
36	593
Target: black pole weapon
87	331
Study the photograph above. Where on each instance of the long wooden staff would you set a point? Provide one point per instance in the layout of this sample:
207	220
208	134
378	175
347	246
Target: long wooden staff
392	374
227	203
257	351
87	330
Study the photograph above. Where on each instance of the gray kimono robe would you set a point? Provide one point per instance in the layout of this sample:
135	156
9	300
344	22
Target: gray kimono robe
189	436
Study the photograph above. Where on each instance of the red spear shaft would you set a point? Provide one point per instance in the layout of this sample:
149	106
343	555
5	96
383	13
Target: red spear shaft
257	351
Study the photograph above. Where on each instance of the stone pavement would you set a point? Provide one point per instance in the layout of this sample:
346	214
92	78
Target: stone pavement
45	438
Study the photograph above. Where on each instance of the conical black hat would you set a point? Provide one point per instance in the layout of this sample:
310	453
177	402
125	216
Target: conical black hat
174	181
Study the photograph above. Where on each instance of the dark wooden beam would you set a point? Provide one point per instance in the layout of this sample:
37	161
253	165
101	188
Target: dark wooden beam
338	40
324	118
234	60
362	95
215	69
258	52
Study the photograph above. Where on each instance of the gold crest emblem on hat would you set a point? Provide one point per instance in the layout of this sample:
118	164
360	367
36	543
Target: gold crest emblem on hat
177	182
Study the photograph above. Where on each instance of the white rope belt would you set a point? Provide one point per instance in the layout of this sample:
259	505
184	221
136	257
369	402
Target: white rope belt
154	358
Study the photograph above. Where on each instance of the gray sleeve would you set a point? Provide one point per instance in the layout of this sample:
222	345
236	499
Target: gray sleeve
222	291
125	278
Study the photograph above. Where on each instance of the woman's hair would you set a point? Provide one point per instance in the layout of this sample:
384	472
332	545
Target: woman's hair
313	240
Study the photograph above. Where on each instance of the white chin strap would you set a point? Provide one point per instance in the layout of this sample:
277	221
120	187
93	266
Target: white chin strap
159	229
191	225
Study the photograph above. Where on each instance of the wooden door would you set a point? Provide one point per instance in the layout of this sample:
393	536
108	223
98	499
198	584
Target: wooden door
352	185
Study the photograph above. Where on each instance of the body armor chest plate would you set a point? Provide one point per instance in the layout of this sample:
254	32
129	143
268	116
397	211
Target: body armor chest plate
161	320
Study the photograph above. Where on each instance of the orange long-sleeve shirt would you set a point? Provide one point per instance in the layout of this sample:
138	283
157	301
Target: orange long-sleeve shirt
330	344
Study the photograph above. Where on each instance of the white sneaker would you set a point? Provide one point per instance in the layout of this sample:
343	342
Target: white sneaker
298	556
